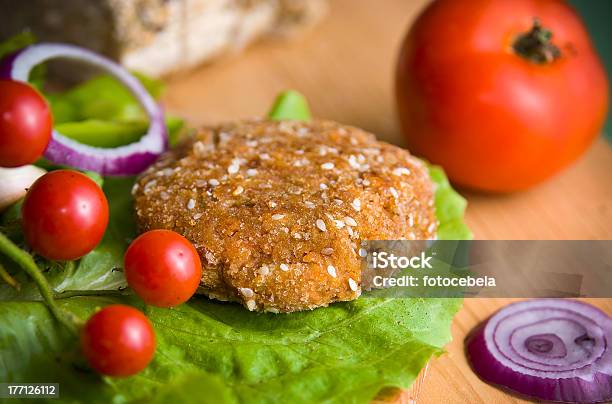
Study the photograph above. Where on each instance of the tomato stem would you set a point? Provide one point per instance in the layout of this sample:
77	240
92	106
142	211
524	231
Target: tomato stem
6	277
75	293
26	262
536	45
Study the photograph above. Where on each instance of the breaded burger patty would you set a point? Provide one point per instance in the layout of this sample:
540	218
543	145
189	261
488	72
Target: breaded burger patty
277	209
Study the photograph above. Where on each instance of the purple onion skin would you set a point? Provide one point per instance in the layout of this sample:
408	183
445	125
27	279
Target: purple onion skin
6	65
569	390
121	166
131	165
542	345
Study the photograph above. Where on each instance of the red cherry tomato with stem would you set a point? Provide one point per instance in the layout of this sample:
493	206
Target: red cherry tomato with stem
502	93
163	268
25	124
64	215
118	341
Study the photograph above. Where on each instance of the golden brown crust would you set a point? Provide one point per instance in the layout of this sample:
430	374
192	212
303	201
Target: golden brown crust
277	209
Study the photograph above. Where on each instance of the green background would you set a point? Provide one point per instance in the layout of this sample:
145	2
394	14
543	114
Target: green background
598	16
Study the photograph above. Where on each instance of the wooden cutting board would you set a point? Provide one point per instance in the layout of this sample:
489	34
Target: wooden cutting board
345	68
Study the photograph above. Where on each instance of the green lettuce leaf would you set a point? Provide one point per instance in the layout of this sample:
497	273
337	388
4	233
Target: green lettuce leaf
450	208
102	112
346	352
221	353
290	105
101	98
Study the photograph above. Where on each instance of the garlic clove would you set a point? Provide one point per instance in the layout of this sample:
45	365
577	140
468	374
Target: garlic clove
14	182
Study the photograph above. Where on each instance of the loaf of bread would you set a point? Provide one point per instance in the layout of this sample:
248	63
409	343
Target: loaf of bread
159	36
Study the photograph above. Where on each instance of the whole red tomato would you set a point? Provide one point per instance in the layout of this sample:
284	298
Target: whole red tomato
64	215
163	268
118	341
502	93
25	124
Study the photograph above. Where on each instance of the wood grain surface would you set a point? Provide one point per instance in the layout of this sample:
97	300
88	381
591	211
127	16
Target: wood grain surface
345	68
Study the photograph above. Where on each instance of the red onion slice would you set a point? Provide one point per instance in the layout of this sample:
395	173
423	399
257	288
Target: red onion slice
124	160
549	349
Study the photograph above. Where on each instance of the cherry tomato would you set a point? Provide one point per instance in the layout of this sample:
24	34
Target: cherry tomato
502	93
118	341
25	124
64	215
163	268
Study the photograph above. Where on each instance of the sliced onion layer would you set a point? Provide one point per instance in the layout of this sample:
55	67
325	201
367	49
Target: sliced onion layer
124	160
549	349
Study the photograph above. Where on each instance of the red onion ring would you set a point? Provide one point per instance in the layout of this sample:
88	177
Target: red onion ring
124	160
549	349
